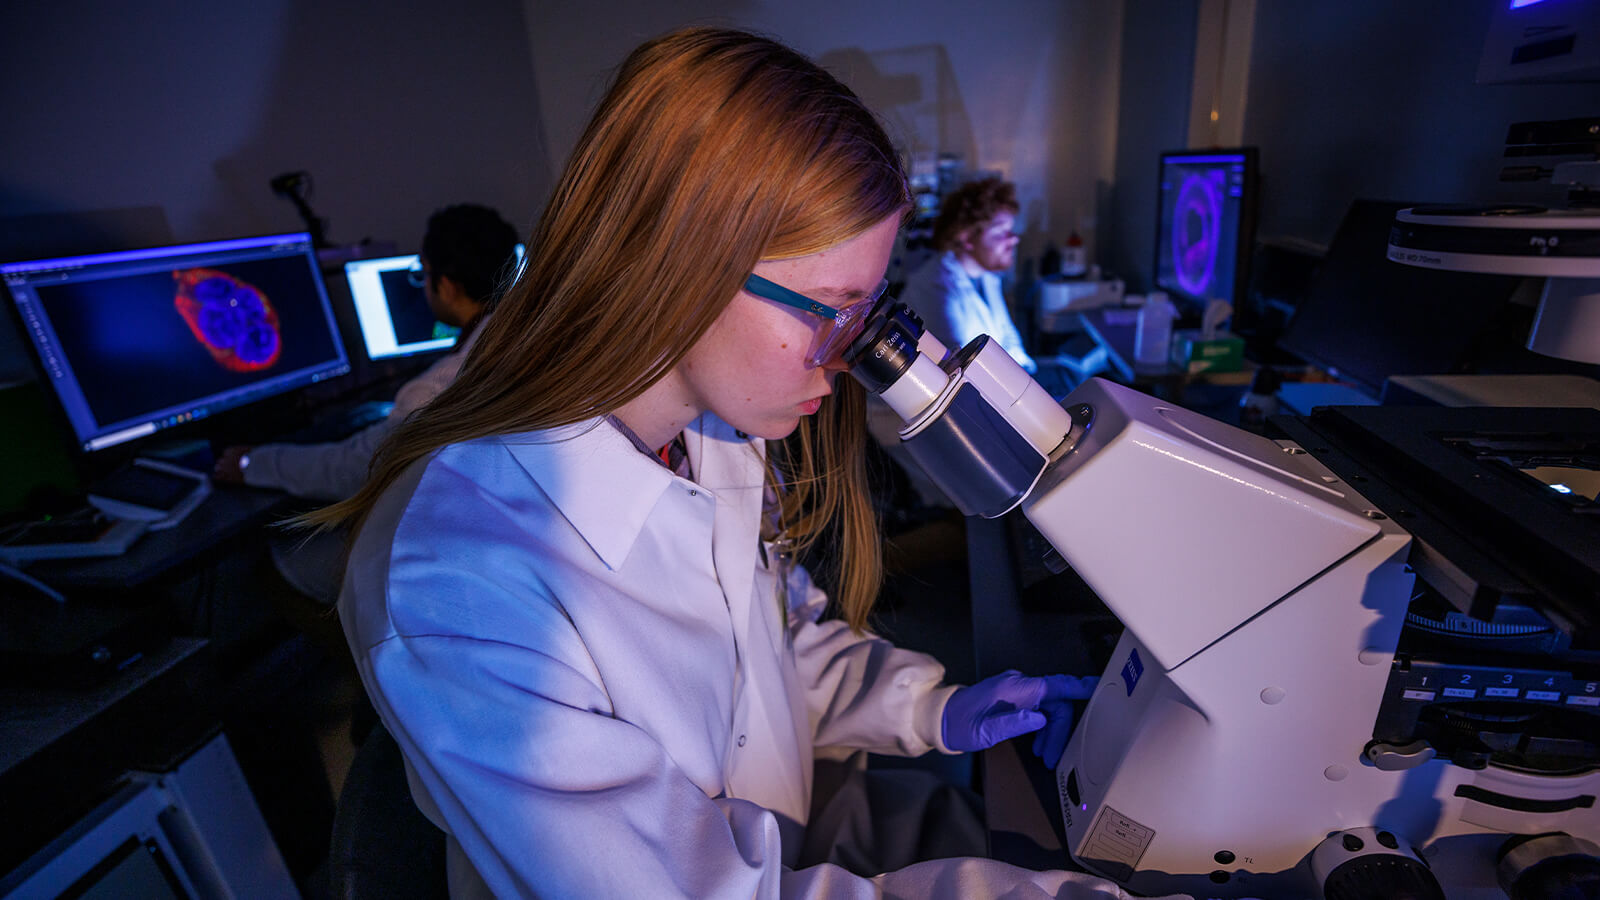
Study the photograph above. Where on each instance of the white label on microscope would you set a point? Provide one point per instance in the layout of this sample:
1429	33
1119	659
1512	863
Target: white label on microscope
1116	842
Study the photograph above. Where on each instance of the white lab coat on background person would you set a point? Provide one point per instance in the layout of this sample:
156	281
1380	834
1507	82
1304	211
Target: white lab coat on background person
313	563
952	306
597	686
335	470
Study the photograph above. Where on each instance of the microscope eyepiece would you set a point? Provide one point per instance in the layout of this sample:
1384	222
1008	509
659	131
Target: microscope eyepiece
885	348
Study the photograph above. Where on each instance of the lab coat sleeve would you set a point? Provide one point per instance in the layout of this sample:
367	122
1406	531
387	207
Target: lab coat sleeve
601	811
337	469
962	309
1004	329
862	692
547	793
329	471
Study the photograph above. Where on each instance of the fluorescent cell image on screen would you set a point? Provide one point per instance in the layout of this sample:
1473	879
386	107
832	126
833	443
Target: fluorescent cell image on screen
1204	226
132	342
1197	231
232	319
165	347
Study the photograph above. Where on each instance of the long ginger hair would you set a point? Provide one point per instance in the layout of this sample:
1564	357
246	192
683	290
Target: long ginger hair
712	150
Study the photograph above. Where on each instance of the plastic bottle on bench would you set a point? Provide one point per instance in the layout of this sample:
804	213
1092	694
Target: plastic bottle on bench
1153	334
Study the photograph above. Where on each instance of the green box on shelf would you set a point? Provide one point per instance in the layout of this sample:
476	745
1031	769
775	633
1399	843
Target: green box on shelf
1194	354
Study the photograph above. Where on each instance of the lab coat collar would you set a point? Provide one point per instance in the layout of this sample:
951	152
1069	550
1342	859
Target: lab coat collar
592	473
606	488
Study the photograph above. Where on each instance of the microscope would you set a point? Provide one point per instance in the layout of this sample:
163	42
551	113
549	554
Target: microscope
1397	694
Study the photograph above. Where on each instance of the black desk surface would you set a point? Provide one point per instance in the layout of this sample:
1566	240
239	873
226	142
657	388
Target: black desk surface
63	750
33	718
230	511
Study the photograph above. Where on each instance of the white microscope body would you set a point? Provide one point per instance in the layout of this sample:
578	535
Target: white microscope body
1226	750
1227	738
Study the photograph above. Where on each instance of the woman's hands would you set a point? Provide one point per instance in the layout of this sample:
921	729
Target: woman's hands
1010	704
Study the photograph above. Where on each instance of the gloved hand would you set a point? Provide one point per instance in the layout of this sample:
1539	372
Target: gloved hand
1010	704
1060	691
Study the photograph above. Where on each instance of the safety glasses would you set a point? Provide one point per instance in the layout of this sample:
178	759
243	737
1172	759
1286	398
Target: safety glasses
839	326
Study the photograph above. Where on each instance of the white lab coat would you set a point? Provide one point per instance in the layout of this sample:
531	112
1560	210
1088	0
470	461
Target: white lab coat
337	469
584	660
955	311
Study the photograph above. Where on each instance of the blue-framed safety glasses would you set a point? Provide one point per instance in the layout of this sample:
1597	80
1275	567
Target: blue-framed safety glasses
839	326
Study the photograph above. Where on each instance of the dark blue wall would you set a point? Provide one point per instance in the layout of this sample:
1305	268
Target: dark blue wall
1153	115
1371	98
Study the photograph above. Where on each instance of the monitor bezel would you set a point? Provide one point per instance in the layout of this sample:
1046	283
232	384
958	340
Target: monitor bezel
1249	210
421	348
123	438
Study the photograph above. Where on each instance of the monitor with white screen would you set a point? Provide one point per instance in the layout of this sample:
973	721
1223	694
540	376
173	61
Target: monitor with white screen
138	341
392	310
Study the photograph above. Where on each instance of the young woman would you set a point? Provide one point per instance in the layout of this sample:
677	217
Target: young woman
570	597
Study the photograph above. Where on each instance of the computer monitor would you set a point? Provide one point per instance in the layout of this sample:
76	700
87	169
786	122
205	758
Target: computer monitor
1365	318
138	341
1205	226
392	311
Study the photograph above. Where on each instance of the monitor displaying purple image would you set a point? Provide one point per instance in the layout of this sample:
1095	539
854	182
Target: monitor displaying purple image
1205	225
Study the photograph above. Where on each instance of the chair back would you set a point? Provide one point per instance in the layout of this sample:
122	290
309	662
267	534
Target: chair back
383	846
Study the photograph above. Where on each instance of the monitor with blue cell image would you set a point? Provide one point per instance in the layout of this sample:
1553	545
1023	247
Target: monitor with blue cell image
1205	226
134	342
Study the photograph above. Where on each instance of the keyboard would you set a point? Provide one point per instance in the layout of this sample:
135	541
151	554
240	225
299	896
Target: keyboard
365	415
339	425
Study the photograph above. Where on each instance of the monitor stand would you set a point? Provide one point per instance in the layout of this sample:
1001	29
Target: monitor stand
151	491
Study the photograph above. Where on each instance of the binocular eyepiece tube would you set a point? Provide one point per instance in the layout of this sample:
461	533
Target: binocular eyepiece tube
976	422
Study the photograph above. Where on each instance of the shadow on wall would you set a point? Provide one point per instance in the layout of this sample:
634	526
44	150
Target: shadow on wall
913	90
46	234
395	111
1071	106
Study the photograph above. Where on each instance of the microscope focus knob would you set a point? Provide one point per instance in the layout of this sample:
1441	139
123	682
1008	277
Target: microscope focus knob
1549	867
1368	864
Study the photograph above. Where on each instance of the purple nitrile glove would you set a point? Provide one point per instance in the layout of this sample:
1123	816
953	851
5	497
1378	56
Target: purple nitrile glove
1061	690
995	709
1010	704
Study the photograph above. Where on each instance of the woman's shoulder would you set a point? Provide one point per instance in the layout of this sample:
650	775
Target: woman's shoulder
457	482
496	449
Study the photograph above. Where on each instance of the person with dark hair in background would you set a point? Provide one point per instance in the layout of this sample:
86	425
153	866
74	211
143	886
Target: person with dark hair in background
468	253
958	293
